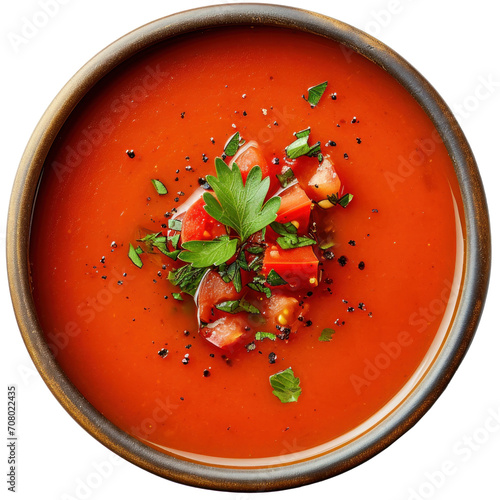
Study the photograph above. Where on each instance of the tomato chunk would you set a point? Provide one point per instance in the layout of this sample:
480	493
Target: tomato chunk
225	331
282	311
198	225
247	157
318	181
297	266
213	290
295	207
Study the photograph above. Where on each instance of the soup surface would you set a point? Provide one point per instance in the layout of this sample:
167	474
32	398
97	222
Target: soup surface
388	285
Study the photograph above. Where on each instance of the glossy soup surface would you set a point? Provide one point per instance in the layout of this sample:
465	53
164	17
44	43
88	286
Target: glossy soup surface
385	293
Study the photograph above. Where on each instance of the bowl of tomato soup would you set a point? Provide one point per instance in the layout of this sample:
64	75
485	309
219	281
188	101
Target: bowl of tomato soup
248	247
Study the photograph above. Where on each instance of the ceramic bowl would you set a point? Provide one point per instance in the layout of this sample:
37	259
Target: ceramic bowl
430	386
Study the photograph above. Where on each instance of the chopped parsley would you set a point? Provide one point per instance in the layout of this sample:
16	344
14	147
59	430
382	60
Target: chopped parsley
265	335
300	146
236	306
343	201
315	93
159	186
274	279
133	255
326	335
175	224
286	386
288	236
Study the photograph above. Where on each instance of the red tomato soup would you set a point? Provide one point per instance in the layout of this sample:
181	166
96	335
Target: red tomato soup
387	287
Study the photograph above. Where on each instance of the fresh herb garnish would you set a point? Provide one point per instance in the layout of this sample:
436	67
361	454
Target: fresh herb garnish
177	296
242	261
343	201
286	177
288	236
300	146
255	249
159	186
231	273
256	264
175	224
157	240
133	255
265	335
326	335
315	93
187	278
240	206
236	306
209	252
174	240
274	279
258	285
233	144
286	386
325	245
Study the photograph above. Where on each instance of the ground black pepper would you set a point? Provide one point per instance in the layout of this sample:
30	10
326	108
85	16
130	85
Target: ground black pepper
163	353
130	153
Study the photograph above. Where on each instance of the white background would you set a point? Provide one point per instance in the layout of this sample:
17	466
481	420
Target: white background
455	45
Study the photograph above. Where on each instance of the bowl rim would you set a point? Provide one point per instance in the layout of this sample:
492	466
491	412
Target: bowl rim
476	268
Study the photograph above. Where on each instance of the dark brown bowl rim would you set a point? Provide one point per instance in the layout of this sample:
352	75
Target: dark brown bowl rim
477	265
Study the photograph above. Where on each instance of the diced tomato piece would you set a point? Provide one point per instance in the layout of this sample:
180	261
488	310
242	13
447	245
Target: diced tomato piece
295	207
226	330
213	290
317	180
281	310
247	157
297	266
198	225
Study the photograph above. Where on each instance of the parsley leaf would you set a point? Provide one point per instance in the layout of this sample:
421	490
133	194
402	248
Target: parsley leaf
187	278
315	93
133	255
286	177
326	335
240	206
177	296
157	240
174	240
208	252
274	279
175	224
233	144
265	335
289	238
258	284
300	146
159	186
294	241
255	249
286	386
343	201
236	306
